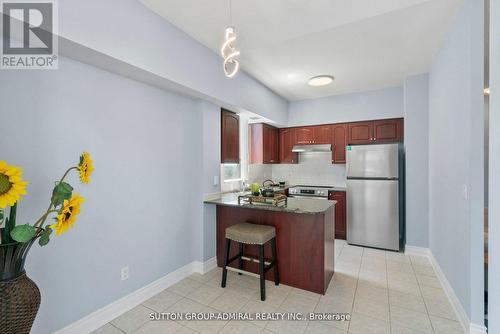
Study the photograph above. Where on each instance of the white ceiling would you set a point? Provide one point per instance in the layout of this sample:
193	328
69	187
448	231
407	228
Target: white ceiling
365	44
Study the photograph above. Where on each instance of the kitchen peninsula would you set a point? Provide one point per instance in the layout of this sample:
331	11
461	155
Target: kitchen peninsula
305	232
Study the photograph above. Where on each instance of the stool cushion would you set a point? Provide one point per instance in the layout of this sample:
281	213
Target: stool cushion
250	233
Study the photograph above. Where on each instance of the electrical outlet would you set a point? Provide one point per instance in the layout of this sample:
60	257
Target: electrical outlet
124	273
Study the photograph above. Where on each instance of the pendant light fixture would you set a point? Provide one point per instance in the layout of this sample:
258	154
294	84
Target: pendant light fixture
231	64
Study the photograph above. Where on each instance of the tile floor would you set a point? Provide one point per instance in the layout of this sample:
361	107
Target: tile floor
384	292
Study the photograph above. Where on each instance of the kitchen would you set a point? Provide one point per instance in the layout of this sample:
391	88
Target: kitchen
310	164
323	160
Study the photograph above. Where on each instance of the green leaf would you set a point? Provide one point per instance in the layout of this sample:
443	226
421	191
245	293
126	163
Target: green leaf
23	233
61	192
44	238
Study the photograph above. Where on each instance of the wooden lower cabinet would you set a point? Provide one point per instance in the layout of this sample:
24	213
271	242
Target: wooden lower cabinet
340	213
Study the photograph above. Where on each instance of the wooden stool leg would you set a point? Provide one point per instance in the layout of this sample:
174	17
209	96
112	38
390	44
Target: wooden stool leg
227	246
240	261
261	270
273	250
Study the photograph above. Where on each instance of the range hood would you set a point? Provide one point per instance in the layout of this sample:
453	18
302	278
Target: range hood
312	148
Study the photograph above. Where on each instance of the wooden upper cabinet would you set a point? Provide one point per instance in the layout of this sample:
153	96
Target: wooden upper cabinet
263	144
230	137
389	130
360	133
339	140
322	134
304	135
287	140
386	130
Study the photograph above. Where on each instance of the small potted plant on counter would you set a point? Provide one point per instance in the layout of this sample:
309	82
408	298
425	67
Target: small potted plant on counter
19	295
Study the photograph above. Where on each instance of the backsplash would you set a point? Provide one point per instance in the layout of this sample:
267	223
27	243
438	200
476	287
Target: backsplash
314	169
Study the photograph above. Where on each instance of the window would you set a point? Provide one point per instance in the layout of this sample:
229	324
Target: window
231	172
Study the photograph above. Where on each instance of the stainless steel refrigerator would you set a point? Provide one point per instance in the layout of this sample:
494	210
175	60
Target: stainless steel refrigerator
375	196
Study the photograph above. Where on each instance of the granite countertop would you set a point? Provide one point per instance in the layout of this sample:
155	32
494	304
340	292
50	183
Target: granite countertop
294	205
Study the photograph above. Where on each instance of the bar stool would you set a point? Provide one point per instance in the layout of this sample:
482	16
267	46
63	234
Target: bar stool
251	234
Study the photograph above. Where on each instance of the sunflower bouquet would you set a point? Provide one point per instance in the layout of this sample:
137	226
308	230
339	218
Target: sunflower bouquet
64	204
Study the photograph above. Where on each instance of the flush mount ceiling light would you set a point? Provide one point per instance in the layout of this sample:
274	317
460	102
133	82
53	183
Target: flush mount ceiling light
231	65
487	91
320	80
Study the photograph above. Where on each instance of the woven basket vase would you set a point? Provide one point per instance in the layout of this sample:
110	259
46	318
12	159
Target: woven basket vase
19	296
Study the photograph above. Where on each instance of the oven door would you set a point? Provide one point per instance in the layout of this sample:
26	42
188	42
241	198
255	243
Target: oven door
306	196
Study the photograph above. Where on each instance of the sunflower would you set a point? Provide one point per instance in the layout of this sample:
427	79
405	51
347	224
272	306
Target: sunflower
67	215
85	167
11	184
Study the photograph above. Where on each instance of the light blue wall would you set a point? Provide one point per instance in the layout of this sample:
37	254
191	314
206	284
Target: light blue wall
211	167
416	100
128	31
385	103
456	158
143	207
494	176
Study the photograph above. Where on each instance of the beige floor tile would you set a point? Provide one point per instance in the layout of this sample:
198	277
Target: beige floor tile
253	307
394	266
297	303
402	317
184	287
405	287
326	305
430	281
287	327
423	270
362	324
274	295
401	276
186	330
440	307
396	257
317	327
186	305
162	301
341	292
420	260
305	294
433	293
133	319
398	329
205	294
370	291
159	327
407	301
445	326
107	329
229	302
240	327
375	309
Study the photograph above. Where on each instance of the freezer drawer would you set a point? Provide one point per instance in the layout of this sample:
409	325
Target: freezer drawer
373	213
372	161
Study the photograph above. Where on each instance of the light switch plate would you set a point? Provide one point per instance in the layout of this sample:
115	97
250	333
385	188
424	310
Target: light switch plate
216	180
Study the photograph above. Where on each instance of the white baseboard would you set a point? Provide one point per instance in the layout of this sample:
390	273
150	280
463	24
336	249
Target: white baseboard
477	329
462	316
209	265
417	251
109	312
460	313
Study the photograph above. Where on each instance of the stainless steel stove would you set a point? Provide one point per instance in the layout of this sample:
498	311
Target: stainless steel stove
309	191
